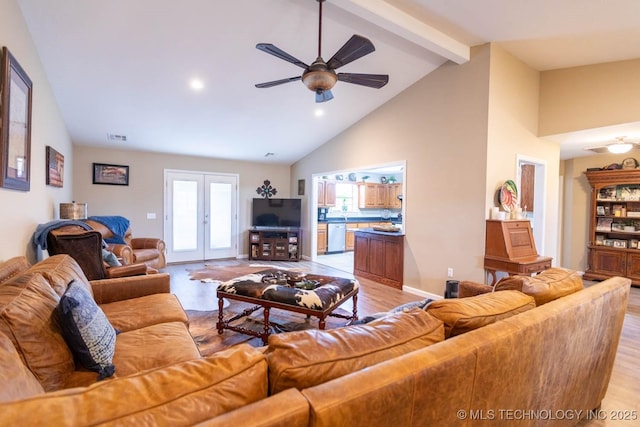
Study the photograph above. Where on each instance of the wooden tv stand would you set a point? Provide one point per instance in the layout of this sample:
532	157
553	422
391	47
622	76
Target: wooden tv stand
275	243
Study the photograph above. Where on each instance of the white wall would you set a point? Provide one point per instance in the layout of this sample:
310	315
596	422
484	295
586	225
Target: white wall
23	211
145	192
439	126
513	126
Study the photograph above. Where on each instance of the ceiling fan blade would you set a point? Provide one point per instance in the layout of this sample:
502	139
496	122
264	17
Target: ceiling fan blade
323	96
369	80
279	53
277	82
356	47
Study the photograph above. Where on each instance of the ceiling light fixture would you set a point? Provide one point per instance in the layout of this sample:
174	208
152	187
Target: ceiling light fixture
619	147
196	84
319	112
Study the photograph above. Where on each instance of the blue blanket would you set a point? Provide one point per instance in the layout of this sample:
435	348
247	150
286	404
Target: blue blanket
39	239
117	224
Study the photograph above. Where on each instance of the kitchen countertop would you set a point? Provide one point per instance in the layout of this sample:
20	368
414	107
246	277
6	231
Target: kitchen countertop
356	220
384	233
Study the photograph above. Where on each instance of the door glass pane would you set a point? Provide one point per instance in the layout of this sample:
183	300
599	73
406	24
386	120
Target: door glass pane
185	215
220	205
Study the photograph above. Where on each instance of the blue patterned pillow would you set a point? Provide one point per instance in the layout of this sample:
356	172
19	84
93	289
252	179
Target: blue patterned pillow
87	330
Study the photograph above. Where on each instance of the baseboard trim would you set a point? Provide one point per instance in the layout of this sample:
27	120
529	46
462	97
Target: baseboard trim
421	293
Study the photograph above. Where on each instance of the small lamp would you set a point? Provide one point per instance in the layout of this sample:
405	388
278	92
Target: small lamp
73	210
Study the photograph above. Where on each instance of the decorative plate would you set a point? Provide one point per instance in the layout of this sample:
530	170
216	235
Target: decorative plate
508	196
352	176
383	179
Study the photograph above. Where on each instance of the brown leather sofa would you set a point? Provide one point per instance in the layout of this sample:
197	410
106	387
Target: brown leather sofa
503	354
150	251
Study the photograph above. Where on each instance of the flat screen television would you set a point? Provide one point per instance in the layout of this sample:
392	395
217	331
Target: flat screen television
276	212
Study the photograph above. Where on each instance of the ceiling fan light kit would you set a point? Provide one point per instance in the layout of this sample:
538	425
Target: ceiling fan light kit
320	76
619	147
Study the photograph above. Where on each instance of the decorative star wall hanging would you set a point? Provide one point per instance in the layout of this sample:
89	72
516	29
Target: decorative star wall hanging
266	190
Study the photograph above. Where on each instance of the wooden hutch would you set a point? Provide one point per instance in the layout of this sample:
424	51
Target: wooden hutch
614	224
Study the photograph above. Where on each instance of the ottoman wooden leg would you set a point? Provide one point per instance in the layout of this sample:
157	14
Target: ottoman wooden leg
220	324
265	331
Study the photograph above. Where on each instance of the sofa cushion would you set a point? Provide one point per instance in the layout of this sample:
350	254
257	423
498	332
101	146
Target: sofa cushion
60	270
27	306
461	315
303	359
142	255
17	381
544	287
136	313
181	394
87	330
12	267
153	347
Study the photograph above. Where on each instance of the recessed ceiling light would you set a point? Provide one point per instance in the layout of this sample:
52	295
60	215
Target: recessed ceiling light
319	112
196	84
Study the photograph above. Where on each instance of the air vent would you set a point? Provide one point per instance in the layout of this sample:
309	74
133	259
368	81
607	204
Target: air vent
115	137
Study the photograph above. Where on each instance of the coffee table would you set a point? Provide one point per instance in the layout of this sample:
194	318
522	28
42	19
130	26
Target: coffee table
311	294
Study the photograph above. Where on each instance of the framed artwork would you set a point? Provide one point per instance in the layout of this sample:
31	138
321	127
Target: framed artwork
15	124
55	167
110	174
301	187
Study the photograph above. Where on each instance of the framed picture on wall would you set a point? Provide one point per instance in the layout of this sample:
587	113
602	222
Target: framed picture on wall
15	124
110	174
55	168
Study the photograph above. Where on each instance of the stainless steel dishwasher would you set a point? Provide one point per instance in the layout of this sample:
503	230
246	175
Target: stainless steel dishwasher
336	235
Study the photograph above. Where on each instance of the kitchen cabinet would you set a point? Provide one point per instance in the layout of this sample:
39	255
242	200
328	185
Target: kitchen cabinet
393	192
322	238
614	225
379	196
350	240
372	196
379	257
326	193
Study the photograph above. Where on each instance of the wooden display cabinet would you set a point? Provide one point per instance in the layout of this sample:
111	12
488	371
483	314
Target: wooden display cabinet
614	225
275	244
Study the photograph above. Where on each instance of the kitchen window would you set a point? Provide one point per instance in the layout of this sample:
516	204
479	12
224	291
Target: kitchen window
346	198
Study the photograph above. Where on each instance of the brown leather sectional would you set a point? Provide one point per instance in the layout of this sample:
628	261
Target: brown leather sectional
505	360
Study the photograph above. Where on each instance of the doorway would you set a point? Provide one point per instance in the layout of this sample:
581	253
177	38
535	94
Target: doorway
201	216
532	177
345	207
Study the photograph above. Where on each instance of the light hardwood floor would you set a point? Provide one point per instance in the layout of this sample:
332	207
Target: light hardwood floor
623	395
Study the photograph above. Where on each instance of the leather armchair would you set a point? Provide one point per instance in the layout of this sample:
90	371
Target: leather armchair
85	246
150	251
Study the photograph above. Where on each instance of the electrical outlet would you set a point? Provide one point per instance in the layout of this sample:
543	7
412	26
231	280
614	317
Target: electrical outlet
449	272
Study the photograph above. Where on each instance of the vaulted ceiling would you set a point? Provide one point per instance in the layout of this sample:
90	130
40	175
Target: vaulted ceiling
122	69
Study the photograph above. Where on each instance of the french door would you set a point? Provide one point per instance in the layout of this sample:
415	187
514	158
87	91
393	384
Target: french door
201	218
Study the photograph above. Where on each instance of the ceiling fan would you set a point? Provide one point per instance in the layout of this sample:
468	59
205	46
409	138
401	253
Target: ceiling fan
320	76
622	145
